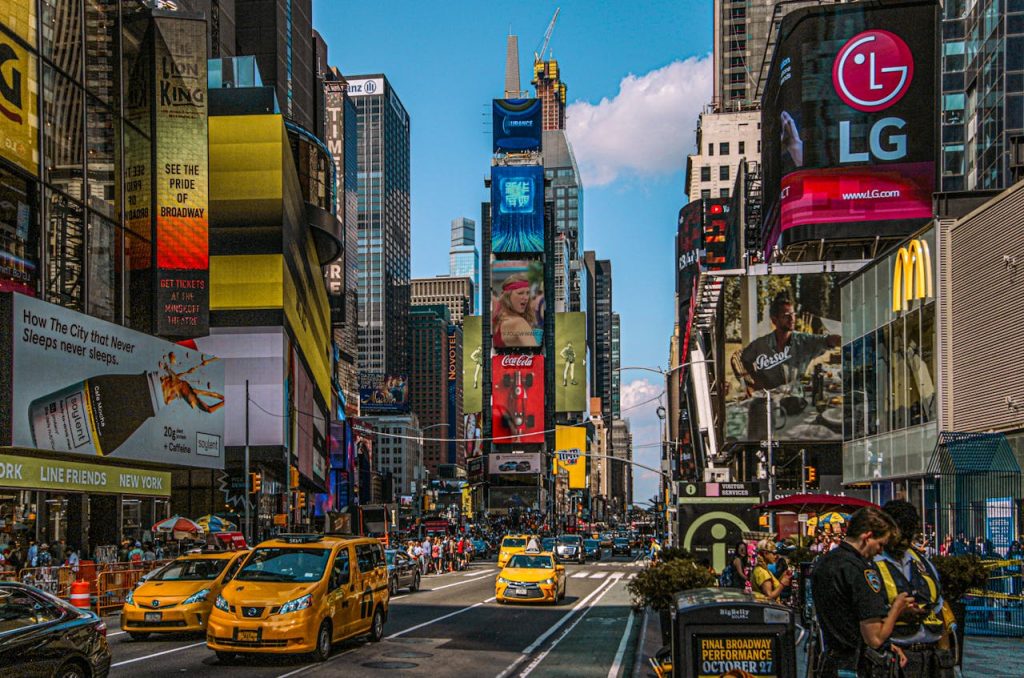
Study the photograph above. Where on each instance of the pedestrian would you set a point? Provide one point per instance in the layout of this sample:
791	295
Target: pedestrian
73	560
922	632
148	554
135	553
460	549
57	550
33	552
427	554
761	578
854	619
436	555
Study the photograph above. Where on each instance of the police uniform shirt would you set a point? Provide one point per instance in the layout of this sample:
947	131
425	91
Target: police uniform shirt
907	567
774	367
847	590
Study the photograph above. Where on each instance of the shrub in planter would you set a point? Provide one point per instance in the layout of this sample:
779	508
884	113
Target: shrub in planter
656	587
959	574
673	553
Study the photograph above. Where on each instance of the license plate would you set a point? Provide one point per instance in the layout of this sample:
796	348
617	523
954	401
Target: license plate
154	616
519	592
248	635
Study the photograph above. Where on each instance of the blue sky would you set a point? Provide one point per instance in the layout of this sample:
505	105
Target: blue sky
638	74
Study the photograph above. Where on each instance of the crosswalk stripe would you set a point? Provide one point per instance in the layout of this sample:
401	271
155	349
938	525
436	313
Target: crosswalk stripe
631	575
580	575
598	575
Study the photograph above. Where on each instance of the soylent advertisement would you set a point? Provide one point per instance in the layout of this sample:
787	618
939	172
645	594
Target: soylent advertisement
517	400
86	386
849	122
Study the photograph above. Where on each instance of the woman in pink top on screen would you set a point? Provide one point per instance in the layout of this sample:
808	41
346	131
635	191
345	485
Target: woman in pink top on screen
512	317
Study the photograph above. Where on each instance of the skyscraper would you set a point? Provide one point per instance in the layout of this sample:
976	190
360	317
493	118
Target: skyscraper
436	381
600	333
464	256
384	221
621	472
455	293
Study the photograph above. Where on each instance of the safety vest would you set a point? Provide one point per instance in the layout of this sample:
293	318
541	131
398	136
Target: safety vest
923	586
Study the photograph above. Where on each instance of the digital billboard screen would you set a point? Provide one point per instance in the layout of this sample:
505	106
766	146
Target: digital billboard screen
849	123
517	401
472	365
523	463
381	393
570	362
517	304
516	125
517	201
789	353
689	247
716	231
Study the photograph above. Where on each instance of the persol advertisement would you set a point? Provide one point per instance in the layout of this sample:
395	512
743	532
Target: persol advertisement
86	386
570	362
517	304
748	655
517	198
849	122
516	125
517	400
472	365
182	178
784	357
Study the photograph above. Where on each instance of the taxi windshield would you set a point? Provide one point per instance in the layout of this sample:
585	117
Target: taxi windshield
285	565
530	562
513	541
569	539
191	570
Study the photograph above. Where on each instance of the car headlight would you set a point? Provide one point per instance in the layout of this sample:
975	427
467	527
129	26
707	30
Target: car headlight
197	597
549	581
502	580
221	604
129	599
297	604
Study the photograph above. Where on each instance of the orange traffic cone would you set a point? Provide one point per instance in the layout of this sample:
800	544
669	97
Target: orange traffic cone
80	595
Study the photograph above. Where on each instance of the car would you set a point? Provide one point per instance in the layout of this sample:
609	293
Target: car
570	547
481	549
621	546
509	466
300	593
403	571
511	544
606	540
531	577
42	635
179	595
592	548
548	544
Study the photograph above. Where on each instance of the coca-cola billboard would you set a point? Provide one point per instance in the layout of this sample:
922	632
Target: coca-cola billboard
517	398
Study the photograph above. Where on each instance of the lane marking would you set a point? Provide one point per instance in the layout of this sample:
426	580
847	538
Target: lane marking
310	666
632	575
157	654
458	583
539	658
580	575
115	633
557	625
473	574
613	672
600	575
638	661
437	619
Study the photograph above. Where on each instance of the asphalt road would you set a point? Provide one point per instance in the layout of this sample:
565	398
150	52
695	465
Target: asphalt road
451	627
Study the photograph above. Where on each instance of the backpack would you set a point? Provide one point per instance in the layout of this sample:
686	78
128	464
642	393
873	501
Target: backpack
728	578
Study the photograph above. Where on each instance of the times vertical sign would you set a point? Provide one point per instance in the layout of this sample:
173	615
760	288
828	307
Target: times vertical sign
181	177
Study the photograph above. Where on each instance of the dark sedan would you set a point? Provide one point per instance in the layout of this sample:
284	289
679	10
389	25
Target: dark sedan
403	571
621	546
481	550
592	548
570	547
41	635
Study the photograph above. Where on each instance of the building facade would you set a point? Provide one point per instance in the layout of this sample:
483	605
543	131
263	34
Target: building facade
384	224
723	139
599	332
464	255
436	384
397	452
620	473
454	293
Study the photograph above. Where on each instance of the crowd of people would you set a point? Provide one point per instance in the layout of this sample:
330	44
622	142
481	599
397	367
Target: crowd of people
441	553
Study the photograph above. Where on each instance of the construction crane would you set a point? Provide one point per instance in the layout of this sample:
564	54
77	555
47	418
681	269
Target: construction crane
538	56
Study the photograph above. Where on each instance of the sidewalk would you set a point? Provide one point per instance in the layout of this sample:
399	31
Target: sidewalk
989	657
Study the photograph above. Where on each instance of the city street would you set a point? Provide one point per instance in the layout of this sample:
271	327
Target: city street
451	627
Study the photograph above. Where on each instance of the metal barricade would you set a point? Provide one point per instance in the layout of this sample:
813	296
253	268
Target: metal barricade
54	580
112	586
999	609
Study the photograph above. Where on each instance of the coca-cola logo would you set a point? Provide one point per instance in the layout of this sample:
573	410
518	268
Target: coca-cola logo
766	362
523	360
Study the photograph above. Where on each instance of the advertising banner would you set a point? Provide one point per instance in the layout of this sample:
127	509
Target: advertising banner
1000	527
86	386
517	400
517	304
570	451
182	178
782	336
689	248
849	122
523	463
570	362
751	655
472	365
715	516
517	201
46	474
383	393
507	498
474	434
19	93
475	470
716	229
516	125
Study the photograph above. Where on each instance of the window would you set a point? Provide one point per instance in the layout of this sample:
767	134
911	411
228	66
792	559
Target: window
723	148
742	147
340	570
711	149
20	609
723	172
706	193
723	193
705	174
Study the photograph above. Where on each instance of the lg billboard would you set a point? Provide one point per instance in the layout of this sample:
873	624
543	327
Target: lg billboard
849	124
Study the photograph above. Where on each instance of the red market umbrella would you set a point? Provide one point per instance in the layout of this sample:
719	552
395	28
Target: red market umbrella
815	503
178	524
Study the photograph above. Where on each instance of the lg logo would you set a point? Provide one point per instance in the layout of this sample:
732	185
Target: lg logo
873	71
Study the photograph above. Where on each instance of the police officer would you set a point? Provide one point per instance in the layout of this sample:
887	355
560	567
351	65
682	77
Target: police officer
921	632
855	621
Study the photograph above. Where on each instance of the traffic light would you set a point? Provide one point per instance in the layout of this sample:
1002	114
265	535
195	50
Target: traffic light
812	474
301	504
294	478
255	482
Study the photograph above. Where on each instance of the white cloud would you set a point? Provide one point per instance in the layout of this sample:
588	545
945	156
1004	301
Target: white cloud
646	129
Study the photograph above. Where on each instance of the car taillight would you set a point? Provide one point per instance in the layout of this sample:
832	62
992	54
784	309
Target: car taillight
101	626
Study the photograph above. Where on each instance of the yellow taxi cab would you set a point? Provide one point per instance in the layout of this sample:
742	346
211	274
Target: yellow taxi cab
531	577
301	593
510	544
179	595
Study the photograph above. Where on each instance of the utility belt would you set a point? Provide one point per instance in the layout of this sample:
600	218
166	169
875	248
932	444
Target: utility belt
865	663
